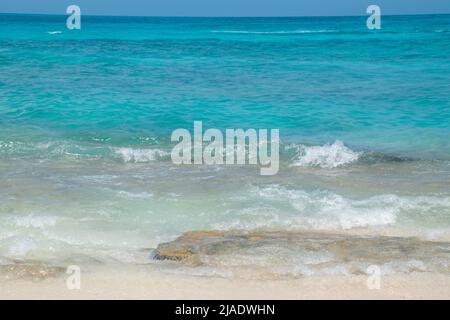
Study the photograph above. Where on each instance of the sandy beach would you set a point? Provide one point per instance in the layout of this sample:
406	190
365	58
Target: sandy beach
202	265
142	284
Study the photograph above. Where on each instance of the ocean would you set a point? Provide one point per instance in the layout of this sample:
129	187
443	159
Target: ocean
86	118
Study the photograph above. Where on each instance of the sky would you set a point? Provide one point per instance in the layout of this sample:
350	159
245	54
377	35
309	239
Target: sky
225	7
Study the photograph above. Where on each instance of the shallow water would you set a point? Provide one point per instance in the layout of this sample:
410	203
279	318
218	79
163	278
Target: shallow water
86	118
287	254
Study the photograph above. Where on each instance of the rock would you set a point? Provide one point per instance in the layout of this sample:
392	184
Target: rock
187	245
371	249
33	271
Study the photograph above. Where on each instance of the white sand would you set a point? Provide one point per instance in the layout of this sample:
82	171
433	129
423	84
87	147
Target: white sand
142	284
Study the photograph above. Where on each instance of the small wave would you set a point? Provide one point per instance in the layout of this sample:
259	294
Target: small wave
63	149
32	221
294	209
133	195
140	155
282	32
48	148
328	210
326	156
54	32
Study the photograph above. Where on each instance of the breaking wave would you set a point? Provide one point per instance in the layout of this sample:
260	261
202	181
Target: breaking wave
282	207
68	149
140	155
326	156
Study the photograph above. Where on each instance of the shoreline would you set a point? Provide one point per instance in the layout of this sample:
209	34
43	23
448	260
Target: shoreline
179	275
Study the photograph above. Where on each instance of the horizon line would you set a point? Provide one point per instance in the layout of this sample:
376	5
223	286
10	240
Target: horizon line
200	16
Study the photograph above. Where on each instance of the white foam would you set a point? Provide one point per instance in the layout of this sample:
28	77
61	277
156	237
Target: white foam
19	246
294	209
54	32
328	210
132	195
403	267
32	221
326	156
140	155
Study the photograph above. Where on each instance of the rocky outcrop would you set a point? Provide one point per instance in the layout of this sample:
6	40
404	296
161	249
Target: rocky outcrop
343	248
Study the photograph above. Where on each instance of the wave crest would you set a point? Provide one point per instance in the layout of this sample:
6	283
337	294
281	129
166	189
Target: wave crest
326	156
140	155
326	210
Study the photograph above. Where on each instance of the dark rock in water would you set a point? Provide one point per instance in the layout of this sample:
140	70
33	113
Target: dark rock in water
188	245
344	248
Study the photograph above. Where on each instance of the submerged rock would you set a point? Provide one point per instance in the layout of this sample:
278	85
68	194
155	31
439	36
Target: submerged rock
33	271
187	245
305	252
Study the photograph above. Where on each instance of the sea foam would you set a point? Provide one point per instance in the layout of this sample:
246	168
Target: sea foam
326	156
32	221
294	209
140	155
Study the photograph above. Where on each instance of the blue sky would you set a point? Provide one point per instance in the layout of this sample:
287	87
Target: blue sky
226	7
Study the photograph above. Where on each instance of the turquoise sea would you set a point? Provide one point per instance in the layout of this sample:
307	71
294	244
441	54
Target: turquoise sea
86	117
